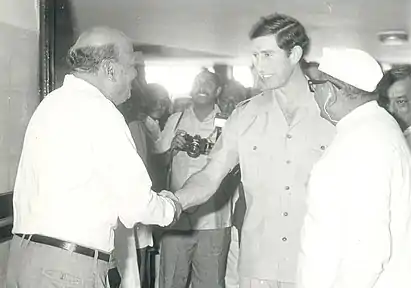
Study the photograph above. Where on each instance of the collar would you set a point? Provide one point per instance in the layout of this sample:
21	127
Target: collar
354	117
210	116
297	88
73	81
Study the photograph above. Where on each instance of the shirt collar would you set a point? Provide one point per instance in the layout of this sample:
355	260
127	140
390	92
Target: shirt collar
297	88
352	118
213	113
73	81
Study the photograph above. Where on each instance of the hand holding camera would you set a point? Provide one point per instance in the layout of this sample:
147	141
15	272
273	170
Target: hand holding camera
193	145
178	143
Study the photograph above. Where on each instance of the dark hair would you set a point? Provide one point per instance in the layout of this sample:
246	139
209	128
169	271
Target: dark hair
88	59
154	90
156	93
287	30
216	79
233	87
391	76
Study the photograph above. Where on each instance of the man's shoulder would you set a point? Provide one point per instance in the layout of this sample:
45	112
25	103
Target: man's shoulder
243	103
252	103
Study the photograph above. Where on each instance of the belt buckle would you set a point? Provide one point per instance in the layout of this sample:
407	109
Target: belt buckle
71	247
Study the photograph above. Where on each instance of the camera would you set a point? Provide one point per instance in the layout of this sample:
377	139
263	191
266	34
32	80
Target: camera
195	145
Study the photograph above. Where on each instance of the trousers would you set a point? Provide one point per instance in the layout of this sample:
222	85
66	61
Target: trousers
33	265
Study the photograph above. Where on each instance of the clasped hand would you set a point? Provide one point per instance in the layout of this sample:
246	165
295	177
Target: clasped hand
177	204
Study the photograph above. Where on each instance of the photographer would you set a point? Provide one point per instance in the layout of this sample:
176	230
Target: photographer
199	241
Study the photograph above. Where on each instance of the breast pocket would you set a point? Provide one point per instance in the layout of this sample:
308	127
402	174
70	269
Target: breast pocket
308	156
253	160
317	150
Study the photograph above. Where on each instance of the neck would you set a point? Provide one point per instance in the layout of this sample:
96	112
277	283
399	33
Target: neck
203	110
351	105
294	90
293	95
95	81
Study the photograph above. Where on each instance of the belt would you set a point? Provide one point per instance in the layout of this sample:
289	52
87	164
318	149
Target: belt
72	247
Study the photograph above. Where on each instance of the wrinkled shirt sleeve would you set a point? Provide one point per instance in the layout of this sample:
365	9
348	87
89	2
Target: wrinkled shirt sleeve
224	156
126	173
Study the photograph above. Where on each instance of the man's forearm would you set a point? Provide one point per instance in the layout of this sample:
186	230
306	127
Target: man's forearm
160	211
198	189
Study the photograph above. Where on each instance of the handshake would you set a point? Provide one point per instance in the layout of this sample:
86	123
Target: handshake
178	208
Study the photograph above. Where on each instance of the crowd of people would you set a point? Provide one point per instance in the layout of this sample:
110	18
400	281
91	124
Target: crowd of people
303	181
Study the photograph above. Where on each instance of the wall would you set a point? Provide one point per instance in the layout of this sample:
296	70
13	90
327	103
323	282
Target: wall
18	93
222	27
18	81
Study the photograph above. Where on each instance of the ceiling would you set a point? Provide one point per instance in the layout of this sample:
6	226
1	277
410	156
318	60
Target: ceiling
220	27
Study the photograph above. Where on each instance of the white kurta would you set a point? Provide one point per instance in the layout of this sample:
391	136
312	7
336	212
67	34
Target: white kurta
357	232
407	135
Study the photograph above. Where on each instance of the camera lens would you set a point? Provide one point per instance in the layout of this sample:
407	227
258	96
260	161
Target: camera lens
194	149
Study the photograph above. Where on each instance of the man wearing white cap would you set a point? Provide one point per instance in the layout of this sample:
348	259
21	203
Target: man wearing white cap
357	231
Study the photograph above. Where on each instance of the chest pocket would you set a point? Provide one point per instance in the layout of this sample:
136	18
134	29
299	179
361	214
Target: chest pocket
258	148
314	148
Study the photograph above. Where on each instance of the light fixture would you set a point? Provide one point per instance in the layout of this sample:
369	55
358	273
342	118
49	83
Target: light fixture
393	37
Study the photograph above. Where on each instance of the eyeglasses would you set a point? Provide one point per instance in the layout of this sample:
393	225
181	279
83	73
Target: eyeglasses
313	82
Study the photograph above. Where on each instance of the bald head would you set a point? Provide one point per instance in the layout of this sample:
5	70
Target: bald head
98	44
102	36
104	57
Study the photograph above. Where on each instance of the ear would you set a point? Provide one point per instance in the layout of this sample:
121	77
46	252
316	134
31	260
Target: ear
296	54
108	69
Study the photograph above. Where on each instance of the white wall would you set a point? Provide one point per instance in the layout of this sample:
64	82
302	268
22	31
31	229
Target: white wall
18	81
19	13
18	90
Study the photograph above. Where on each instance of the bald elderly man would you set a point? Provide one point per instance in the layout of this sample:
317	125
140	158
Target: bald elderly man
357	231
80	172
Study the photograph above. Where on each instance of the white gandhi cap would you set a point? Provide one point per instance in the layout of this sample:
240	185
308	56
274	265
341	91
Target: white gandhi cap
352	66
